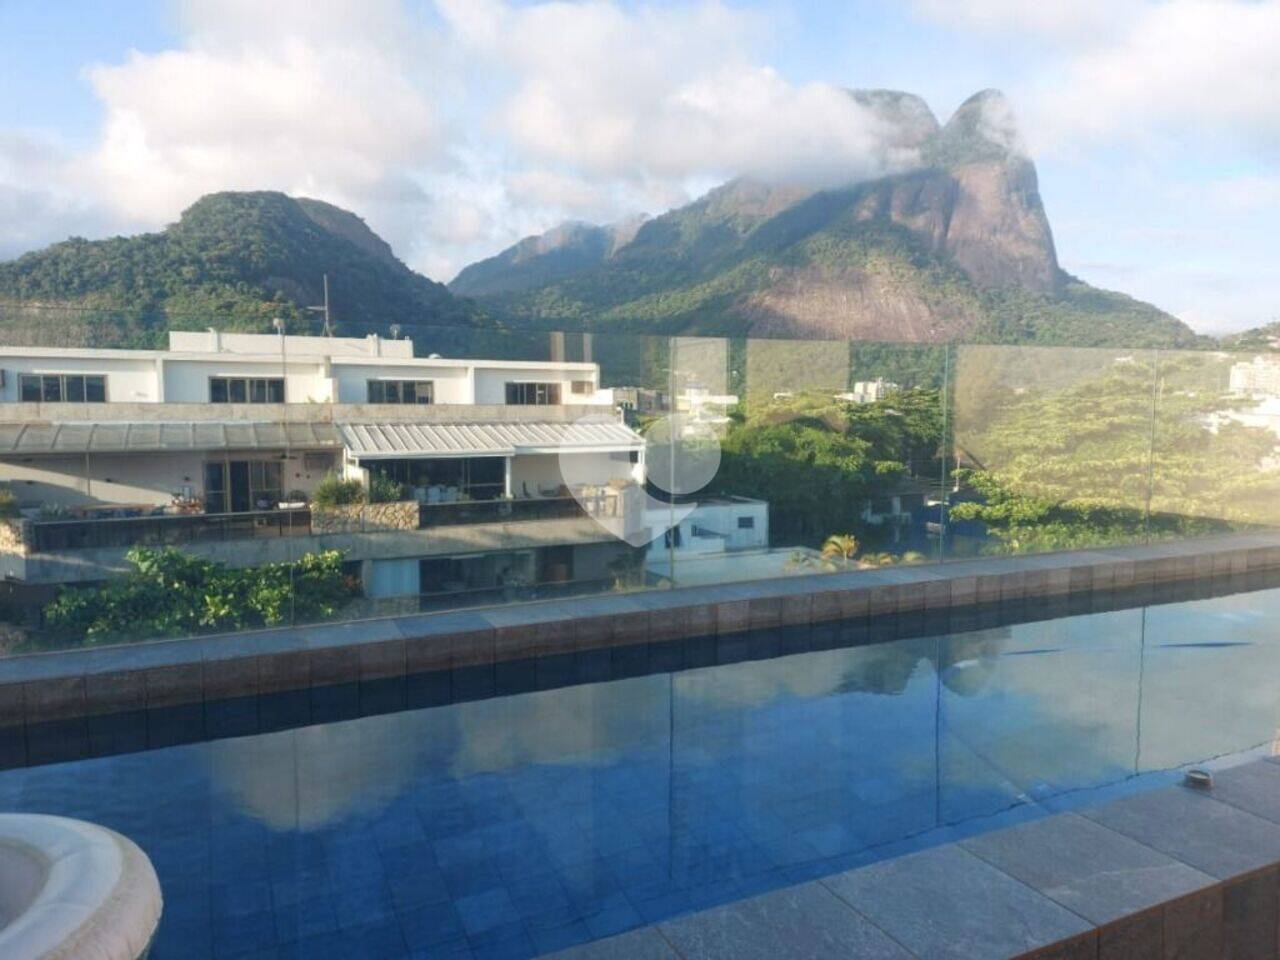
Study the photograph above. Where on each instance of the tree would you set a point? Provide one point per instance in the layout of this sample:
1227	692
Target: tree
168	593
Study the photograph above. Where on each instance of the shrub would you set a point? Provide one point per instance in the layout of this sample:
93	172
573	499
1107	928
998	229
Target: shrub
8	504
170	593
383	489
333	491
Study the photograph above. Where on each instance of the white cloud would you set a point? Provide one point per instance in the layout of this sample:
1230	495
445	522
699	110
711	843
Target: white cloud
454	134
1060	21
312	100
455	130
672	92
1192	70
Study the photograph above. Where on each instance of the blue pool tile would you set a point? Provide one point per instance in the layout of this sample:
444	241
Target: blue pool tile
244	933
481	912
379	941
431	924
549	939
508	942
306	919
613	919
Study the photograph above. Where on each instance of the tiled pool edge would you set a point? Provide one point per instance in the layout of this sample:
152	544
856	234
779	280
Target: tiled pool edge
973	899
38	688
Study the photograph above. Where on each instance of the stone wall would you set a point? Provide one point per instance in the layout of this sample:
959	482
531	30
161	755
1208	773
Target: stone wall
15	537
365	517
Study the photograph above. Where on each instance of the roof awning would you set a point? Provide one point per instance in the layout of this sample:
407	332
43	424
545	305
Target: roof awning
381	441
18	439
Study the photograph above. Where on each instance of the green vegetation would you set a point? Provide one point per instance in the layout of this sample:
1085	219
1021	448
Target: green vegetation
817	461
8	504
384	489
167	593
734	265
333	491
1111	449
233	260
1259	338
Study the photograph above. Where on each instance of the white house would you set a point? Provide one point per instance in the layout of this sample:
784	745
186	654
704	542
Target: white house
1257	377
218	443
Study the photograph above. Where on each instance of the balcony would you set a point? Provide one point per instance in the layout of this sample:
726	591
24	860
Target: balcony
49	536
498	511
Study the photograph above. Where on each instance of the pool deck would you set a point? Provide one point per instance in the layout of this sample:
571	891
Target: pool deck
1177	872
87	682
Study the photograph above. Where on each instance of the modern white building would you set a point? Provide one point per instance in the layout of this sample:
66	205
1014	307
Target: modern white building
715	525
868	391
217	444
1257	377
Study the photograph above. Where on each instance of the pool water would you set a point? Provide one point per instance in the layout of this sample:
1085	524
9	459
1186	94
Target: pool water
518	825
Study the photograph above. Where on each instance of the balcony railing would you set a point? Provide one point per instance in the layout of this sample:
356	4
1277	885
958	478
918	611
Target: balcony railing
54	535
499	511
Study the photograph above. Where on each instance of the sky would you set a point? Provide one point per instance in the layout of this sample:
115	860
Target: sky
456	127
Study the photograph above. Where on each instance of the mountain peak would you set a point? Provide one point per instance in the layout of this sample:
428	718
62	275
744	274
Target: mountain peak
983	128
911	122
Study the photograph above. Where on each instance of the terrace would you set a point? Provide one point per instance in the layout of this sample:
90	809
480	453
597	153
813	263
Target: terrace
976	750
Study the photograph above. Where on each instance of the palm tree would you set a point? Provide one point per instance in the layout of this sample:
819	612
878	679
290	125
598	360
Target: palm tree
840	548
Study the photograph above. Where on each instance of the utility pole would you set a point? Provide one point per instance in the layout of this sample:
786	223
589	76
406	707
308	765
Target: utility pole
328	327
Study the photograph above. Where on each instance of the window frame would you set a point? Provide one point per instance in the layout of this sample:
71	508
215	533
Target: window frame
267	390
407	392
533	393
41	383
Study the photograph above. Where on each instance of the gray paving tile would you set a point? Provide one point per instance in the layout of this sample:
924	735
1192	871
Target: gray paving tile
1095	872
947	904
1216	838
1254	787
807	921
643	944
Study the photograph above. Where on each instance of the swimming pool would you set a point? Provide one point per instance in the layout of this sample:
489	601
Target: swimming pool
625	792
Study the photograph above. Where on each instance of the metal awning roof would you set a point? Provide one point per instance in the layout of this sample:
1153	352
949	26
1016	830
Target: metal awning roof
17	439
375	441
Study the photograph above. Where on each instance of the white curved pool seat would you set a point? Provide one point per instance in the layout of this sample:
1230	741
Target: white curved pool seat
71	890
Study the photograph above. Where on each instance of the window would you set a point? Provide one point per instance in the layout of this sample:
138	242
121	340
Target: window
62	388
533	394
402	391
236	486
582	386
746	523
246	390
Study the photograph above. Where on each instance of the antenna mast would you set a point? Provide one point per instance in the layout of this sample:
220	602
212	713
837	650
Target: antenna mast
328	326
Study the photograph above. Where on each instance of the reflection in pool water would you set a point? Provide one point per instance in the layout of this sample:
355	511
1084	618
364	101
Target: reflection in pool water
522	824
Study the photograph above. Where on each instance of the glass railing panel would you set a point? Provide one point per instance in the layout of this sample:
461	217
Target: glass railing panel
1053	448
1216	444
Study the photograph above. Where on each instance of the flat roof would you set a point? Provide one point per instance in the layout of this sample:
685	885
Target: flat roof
226	356
378	441
19	439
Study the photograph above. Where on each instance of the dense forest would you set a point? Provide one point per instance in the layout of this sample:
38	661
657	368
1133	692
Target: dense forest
1107	447
233	260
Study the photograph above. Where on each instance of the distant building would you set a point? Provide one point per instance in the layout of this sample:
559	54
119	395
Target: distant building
718	525
504	473
1259	376
704	406
868	391
898	504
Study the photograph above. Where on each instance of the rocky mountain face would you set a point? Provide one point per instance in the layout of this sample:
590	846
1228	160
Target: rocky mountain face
957	245
233	260
534	261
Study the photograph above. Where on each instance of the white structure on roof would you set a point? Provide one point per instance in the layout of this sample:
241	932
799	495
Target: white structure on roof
1259	376
223	425
715	526
868	391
